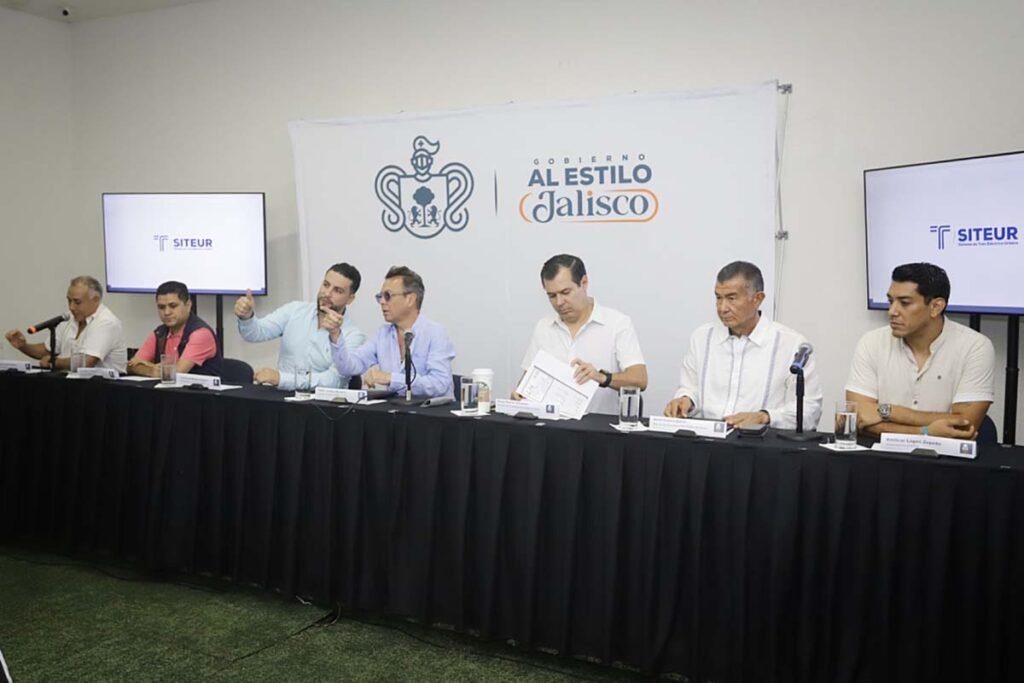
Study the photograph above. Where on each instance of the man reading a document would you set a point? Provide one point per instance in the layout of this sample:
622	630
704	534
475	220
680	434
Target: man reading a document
382	357
737	370
599	342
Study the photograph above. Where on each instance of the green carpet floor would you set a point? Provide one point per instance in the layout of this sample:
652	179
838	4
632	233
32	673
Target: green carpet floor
65	621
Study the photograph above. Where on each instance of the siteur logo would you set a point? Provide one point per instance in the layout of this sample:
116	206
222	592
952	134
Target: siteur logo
941	230
611	190
422	202
184	243
977	236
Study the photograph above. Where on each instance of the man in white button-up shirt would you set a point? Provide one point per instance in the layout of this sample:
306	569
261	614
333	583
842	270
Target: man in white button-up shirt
738	370
598	341
922	374
93	330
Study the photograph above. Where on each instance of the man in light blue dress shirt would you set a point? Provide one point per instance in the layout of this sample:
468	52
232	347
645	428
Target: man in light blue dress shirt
305	341
382	358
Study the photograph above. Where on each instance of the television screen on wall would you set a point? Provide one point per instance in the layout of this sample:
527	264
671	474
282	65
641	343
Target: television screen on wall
965	215
214	242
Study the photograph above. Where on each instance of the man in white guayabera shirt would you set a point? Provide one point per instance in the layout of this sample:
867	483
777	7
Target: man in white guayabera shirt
737	369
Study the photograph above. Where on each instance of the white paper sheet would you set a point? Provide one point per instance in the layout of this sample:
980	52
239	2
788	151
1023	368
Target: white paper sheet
549	380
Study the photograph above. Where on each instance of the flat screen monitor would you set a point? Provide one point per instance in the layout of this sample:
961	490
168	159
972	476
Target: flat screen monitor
214	242
965	215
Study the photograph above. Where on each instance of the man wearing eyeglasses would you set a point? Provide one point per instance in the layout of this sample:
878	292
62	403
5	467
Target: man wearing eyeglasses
381	360
304	335
599	342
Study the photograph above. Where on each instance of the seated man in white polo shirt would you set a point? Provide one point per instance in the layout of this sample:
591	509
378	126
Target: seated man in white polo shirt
737	369
93	330
923	373
598	341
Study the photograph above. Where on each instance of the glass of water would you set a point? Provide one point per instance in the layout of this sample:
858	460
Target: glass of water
629	407
77	362
468	394
168	369
303	382
846	424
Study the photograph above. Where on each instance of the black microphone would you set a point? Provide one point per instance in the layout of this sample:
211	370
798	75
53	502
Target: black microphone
803	354
408	365
47	324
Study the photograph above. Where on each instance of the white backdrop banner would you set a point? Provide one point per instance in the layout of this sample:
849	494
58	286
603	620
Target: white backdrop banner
654	192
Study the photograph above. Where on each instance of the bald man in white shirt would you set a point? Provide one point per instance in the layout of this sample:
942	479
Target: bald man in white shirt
737	370
599	342
93	330
923	373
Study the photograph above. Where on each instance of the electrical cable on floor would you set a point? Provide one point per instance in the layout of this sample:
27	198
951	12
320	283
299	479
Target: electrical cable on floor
281	641
328	619
138	578
75	565
466	652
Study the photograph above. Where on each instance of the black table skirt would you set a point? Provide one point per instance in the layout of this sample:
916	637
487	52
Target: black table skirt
724	561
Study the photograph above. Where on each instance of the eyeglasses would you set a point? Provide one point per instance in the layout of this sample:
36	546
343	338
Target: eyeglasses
386	296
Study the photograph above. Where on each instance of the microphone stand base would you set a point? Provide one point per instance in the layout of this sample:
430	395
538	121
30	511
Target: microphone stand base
800	436
404	401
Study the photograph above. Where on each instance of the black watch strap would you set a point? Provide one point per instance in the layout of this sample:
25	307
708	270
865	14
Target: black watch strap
607	379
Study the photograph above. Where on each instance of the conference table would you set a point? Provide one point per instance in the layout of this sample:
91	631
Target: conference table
722	560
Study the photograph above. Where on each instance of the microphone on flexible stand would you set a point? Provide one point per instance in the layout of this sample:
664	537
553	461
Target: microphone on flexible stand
803	354
800	360
49	324
408	366
406	400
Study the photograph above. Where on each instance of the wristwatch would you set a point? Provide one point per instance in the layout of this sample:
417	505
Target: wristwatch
885	411
607	379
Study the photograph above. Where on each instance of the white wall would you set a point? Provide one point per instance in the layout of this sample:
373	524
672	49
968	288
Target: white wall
36	181
198	98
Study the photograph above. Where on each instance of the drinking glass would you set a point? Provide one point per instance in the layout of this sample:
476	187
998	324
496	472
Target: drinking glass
77	362
303	382
168	369
467	394
629	407
846	424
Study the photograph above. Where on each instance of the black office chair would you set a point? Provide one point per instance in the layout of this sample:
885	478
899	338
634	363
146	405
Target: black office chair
236	372
987	432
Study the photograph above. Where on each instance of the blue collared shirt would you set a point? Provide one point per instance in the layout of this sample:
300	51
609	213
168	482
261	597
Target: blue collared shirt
432	355
304	344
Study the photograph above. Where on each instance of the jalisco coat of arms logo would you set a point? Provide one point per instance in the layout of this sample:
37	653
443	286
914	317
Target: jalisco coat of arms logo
422	202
